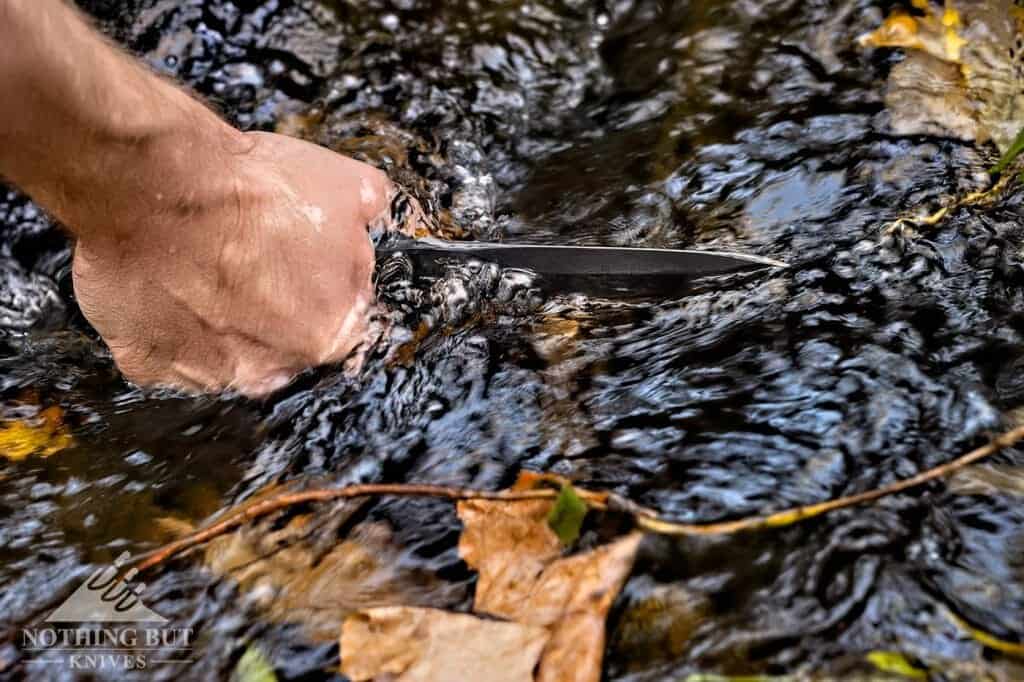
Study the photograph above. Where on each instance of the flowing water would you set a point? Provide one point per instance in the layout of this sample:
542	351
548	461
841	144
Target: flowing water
750	126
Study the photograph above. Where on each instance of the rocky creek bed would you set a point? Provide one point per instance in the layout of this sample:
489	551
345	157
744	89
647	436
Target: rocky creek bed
751	126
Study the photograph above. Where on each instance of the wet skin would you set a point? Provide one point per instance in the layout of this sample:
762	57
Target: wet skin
208	259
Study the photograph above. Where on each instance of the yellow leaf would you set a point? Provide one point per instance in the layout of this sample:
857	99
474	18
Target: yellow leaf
254	667
42	435
894	663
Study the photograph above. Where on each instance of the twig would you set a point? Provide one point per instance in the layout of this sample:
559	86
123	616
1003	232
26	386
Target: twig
972	199
1014	649
652	523
274	504
645	518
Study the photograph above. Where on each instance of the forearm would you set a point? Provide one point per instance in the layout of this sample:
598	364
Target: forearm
87	132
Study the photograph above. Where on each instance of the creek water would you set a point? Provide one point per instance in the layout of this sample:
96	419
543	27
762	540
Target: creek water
750	126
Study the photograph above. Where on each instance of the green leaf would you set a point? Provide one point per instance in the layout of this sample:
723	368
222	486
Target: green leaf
567	515
894	663
254	667
1012	153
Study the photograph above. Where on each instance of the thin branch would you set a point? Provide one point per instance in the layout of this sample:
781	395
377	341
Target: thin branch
650	521
280	502
645	518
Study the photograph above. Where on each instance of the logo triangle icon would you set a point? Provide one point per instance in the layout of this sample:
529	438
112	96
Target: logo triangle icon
107	598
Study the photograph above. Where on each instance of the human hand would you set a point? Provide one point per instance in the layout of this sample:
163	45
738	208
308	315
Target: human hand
206	258
241	274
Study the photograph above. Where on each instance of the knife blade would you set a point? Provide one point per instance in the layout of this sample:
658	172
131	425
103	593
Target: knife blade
612	268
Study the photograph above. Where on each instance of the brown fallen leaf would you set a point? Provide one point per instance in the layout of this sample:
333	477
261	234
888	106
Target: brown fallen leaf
558	606
510	545
961	75
42	435
589	582
300	572
409	644
523	578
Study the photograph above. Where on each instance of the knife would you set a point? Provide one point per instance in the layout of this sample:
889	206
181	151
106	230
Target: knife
622	270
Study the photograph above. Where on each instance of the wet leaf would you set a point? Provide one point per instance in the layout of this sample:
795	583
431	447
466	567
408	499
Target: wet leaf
956	77
510	545
42	435
523	578
410	644
894	663
557	605
254	667
567	515
302	573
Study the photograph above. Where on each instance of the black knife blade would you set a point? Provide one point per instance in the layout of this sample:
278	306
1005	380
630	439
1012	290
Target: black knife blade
612	268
